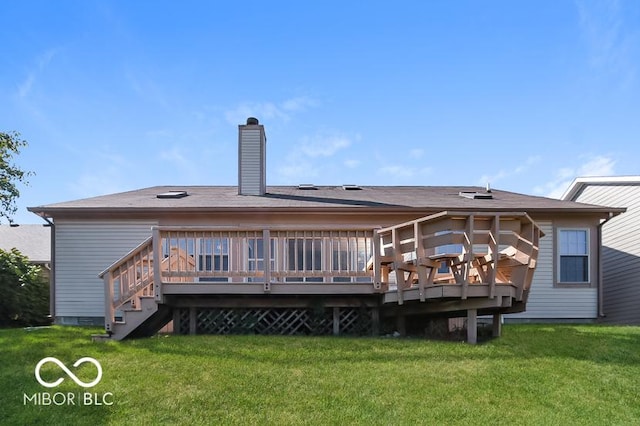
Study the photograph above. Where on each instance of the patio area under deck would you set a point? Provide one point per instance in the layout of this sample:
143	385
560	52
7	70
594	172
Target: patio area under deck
444	264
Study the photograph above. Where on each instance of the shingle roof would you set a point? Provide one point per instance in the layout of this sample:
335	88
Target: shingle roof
34	241
203	198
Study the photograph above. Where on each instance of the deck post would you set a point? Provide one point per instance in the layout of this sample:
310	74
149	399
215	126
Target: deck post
336	321
157	258
375	321
497	325
472	326
192	321
266	249
377	268
177	322
401	325
108	302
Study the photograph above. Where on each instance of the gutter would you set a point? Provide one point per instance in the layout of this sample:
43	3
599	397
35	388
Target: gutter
52	269
601	313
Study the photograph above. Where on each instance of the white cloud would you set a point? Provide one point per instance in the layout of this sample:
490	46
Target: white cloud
593	166
106	173
611	38
24	88
395	173
300	164
323	146
147	89
268	110
297	172
502	174
298	104
416	153
352	164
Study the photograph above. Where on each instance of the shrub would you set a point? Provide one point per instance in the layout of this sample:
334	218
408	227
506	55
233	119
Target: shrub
24	292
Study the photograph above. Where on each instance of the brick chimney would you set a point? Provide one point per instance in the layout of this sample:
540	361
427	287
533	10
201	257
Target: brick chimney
252	158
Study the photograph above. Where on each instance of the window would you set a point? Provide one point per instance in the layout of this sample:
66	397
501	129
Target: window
303	254
573	249
213	256
447	249
255	254
350	254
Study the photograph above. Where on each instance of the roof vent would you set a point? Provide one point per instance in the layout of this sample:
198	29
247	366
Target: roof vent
349	187
252	121
172	194
473	195
306	186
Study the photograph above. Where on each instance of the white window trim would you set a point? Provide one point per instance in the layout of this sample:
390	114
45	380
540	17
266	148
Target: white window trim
559	256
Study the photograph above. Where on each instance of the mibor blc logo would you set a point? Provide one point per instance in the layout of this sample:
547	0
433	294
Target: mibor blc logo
72	376
68	398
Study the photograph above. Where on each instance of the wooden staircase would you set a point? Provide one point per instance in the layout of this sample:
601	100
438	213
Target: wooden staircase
131	307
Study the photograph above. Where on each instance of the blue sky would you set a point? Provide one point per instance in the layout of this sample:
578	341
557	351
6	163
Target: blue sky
118	95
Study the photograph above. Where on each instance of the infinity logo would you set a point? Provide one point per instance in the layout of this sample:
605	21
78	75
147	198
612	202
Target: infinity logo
68	372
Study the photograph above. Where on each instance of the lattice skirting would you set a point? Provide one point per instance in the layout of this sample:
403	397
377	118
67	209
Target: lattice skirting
284	321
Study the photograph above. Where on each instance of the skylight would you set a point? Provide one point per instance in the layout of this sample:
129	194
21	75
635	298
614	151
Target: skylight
473	195
306	186
172	194
350	187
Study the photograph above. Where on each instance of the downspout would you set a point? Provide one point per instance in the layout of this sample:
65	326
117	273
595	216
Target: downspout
601	313
52	270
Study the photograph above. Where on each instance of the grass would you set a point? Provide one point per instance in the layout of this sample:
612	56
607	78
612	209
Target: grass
534	374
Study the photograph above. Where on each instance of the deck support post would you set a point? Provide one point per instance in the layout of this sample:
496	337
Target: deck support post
266	244
177	323
472	326
375	321
192	321
497	325
401	325
157	258
108	302
336	321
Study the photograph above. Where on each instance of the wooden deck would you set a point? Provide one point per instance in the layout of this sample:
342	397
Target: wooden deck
447	263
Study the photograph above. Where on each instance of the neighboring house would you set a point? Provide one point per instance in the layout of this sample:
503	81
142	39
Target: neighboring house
620	243
33	241
290	259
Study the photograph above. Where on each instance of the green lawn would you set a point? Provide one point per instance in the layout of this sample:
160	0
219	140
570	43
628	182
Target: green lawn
534	374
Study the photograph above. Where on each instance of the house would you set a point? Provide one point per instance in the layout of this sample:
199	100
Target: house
620	270
322	259
33	241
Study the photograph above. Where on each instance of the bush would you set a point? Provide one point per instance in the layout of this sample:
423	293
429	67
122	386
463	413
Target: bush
24	292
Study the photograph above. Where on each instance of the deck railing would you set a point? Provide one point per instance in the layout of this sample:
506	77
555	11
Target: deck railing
461	248
264	255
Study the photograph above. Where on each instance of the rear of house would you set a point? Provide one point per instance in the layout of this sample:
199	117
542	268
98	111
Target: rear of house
322	241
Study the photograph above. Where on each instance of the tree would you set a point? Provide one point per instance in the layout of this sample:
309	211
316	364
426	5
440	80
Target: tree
10	174
25	292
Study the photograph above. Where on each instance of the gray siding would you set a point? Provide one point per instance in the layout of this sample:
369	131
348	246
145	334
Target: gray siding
549	302
620	250
251	160
83	250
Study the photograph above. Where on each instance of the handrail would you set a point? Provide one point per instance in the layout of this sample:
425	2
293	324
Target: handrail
124	258
474	248
132	274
